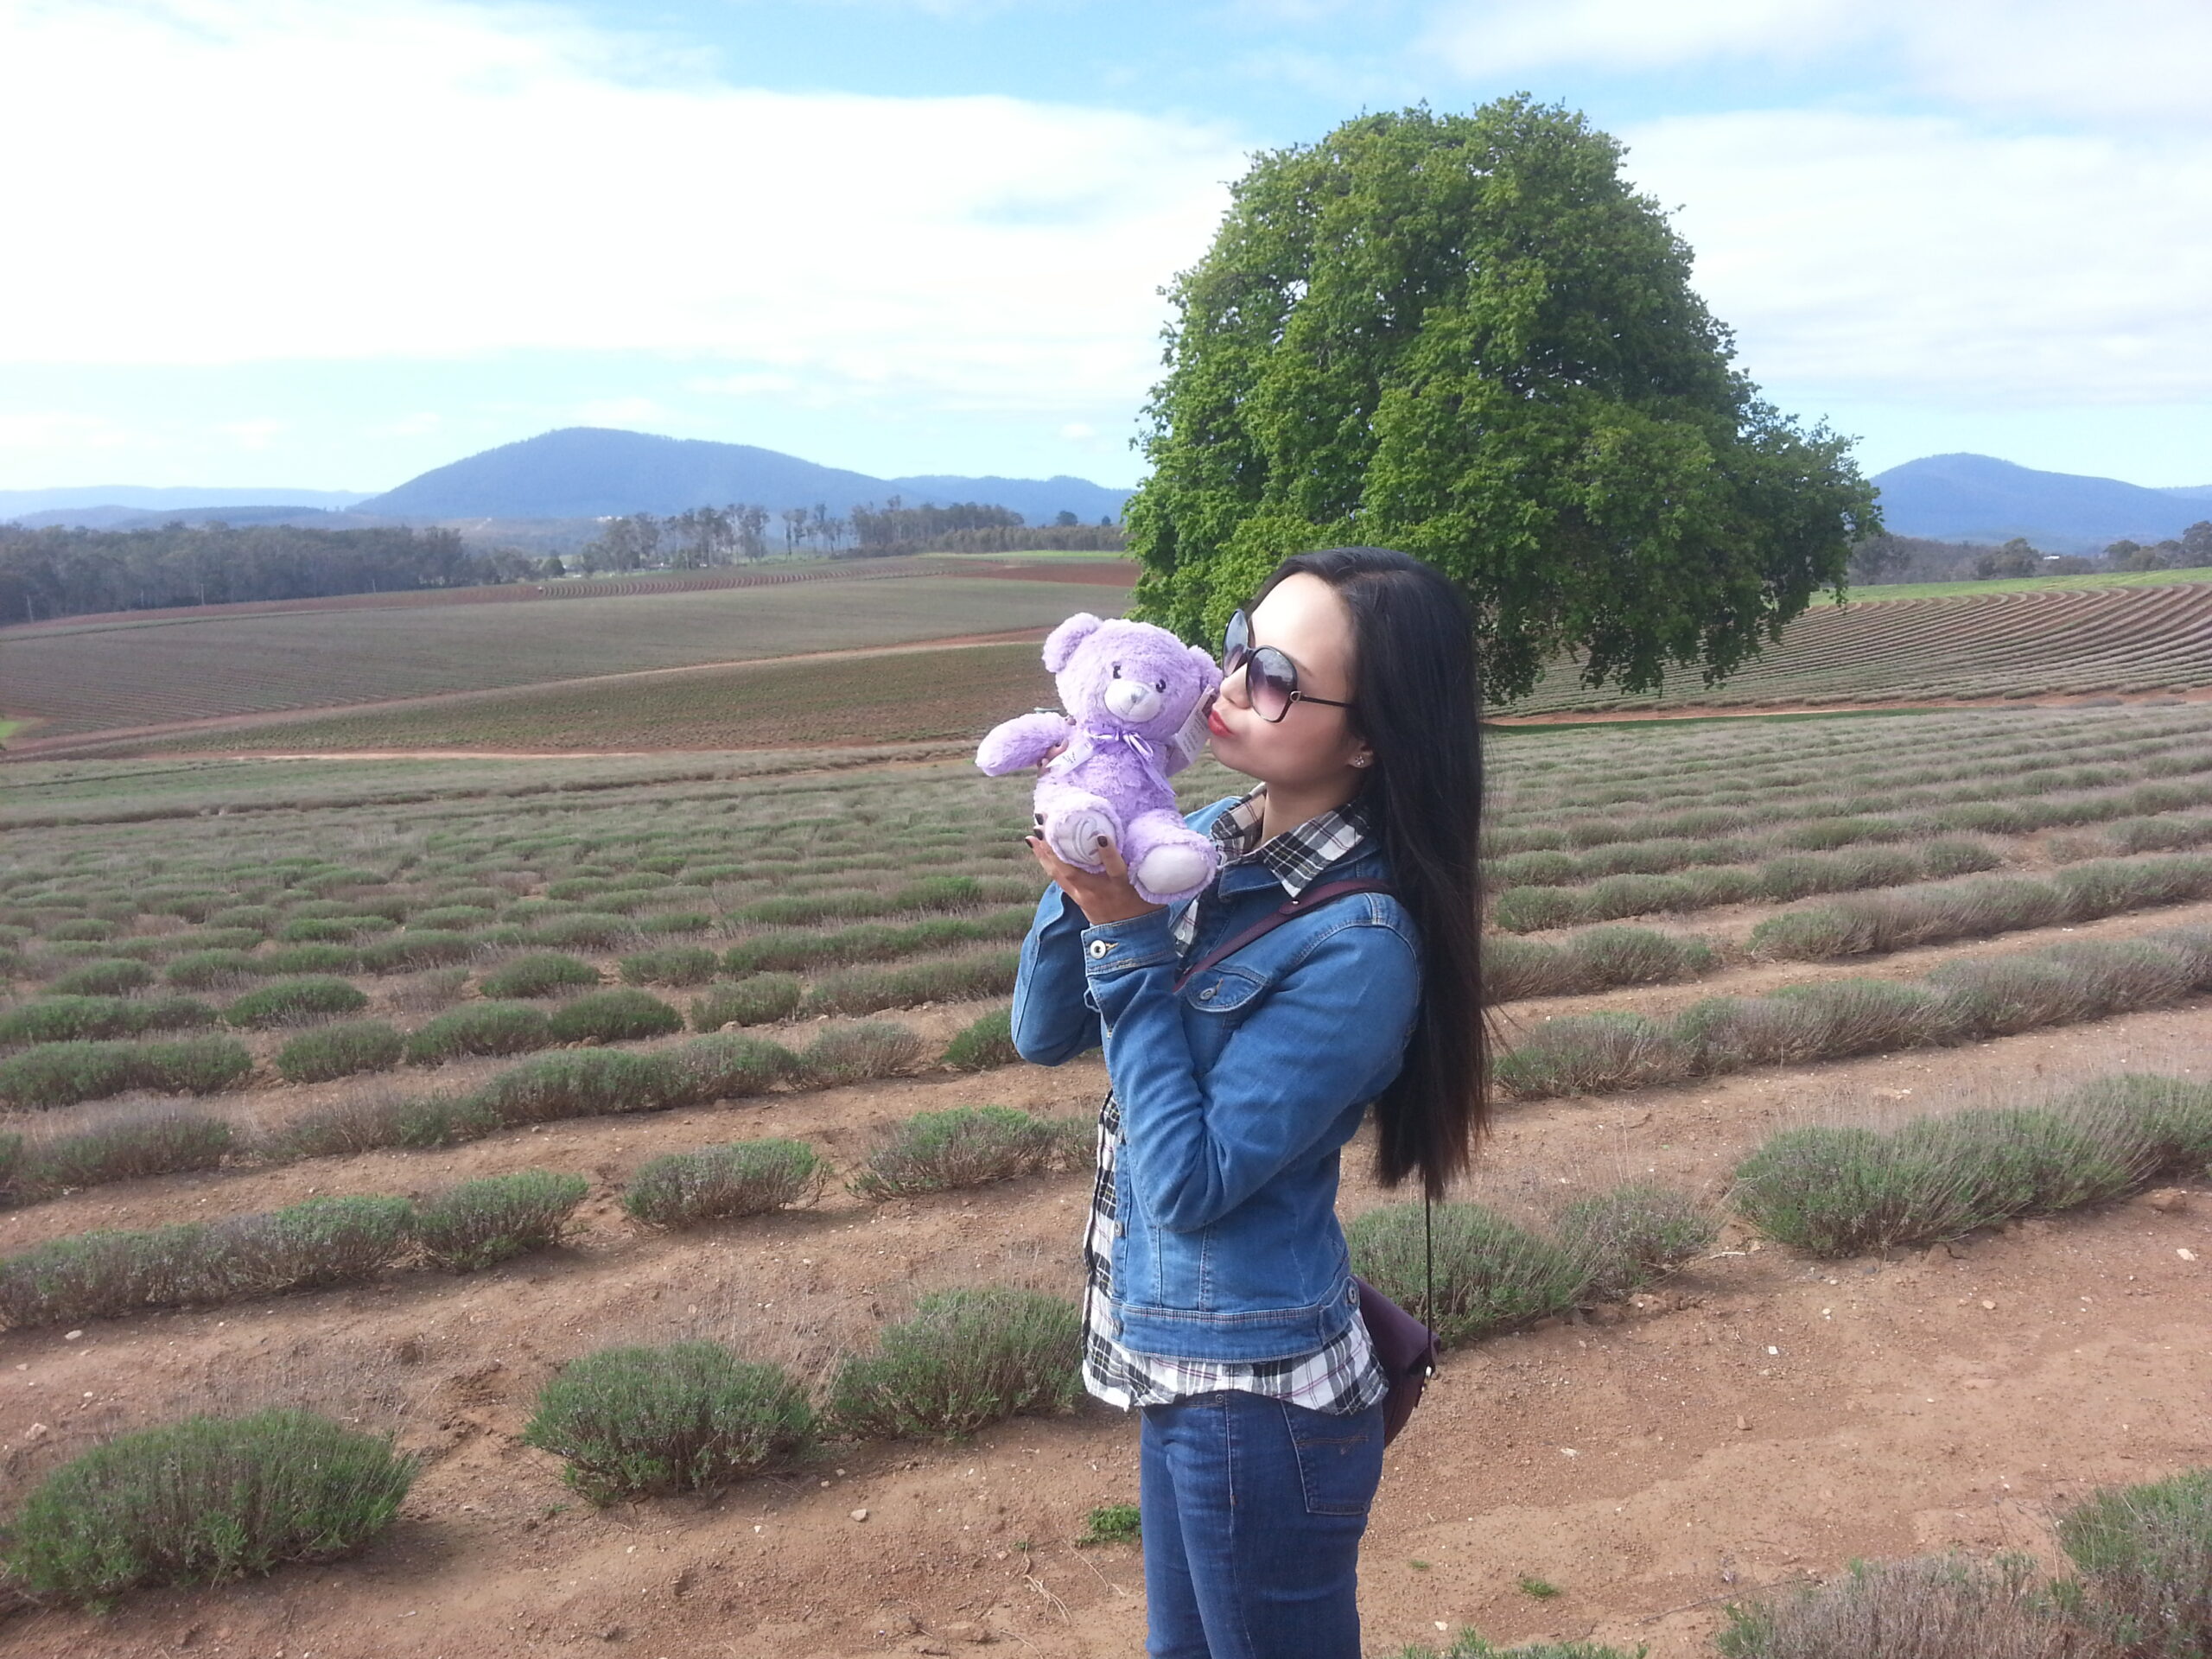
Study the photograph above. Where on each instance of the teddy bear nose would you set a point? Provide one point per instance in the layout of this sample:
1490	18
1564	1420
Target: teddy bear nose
1132	699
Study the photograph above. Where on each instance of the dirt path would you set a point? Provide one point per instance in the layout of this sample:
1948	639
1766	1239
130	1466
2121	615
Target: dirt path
1762	1417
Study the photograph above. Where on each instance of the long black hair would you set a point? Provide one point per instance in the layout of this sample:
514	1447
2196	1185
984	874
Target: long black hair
1418	710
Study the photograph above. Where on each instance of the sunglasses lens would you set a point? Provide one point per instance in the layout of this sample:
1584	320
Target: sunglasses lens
1270	679
1236	642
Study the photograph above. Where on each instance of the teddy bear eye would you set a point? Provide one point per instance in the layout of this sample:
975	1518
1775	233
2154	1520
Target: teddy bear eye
1117	670
1159	685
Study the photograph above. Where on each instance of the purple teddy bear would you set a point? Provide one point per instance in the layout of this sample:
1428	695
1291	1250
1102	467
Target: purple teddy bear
1136	698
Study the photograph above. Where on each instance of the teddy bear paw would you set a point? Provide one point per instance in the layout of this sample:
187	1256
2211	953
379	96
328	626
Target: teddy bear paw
1172	869
1075	837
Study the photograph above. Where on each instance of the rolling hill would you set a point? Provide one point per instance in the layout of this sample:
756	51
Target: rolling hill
584	472
1966	497
587	473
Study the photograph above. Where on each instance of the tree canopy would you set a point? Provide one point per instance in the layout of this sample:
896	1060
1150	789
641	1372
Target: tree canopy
1466	337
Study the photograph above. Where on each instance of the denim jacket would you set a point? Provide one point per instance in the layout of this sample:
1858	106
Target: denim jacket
1237	1095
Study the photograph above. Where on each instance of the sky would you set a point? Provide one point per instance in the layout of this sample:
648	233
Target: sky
330	245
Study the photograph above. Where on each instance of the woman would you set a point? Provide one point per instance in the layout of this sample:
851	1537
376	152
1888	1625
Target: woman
1220	1299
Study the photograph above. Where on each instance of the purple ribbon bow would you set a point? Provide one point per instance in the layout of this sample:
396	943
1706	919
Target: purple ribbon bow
1086	743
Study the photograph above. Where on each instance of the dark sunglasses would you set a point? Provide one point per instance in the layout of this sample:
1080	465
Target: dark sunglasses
1270	678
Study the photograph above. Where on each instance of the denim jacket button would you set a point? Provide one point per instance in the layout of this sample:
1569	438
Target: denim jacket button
1206	995
1099	947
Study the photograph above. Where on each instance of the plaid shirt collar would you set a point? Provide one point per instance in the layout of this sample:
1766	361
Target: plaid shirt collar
1296	856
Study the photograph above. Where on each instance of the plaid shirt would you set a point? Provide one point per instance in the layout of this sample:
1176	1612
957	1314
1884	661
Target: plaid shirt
1343	1377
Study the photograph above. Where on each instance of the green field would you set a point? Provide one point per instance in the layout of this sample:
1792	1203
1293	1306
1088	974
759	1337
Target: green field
801	859
550	676
2024	585
137	672
43	794
932	695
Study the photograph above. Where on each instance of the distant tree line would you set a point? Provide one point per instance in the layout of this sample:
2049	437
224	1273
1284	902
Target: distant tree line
64	571
1068	536
698	537
896	528
971	527
1877	560
2186	551
712	536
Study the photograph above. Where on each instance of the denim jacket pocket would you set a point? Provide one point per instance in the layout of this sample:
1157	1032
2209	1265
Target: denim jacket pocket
1223	990
1339	1457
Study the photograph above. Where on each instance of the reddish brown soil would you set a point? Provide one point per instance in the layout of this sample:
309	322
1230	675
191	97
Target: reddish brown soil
1760	1417
1105	572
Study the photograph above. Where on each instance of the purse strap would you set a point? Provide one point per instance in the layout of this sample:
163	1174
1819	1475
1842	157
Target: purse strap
1428	1273
1312	898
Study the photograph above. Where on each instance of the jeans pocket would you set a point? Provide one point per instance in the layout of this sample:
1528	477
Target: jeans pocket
1339	1458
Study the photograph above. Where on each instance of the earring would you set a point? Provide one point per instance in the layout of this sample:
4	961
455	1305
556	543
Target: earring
1359	760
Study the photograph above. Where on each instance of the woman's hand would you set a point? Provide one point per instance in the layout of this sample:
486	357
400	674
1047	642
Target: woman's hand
1105	898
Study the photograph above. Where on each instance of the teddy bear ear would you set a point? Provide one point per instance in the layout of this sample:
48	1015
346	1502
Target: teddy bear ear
1209	670
1060	643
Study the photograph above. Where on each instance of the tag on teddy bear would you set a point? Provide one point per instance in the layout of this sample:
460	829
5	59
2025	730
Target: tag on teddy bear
1188	744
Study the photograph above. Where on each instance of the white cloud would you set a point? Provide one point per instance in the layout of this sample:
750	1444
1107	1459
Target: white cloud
771	382
621	411
1976	200
41	432
1498	37
276	179
2132	60
1879	255
252	435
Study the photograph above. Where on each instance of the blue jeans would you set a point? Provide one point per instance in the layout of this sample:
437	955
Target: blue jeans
1253	1511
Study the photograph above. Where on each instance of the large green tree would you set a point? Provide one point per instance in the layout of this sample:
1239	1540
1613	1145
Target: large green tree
1466	337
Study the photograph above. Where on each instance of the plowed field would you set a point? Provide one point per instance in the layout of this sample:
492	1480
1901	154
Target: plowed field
146	668
2026	644
1757	1419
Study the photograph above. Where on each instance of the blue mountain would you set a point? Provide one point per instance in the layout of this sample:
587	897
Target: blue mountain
585	472
74	504
1980	498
